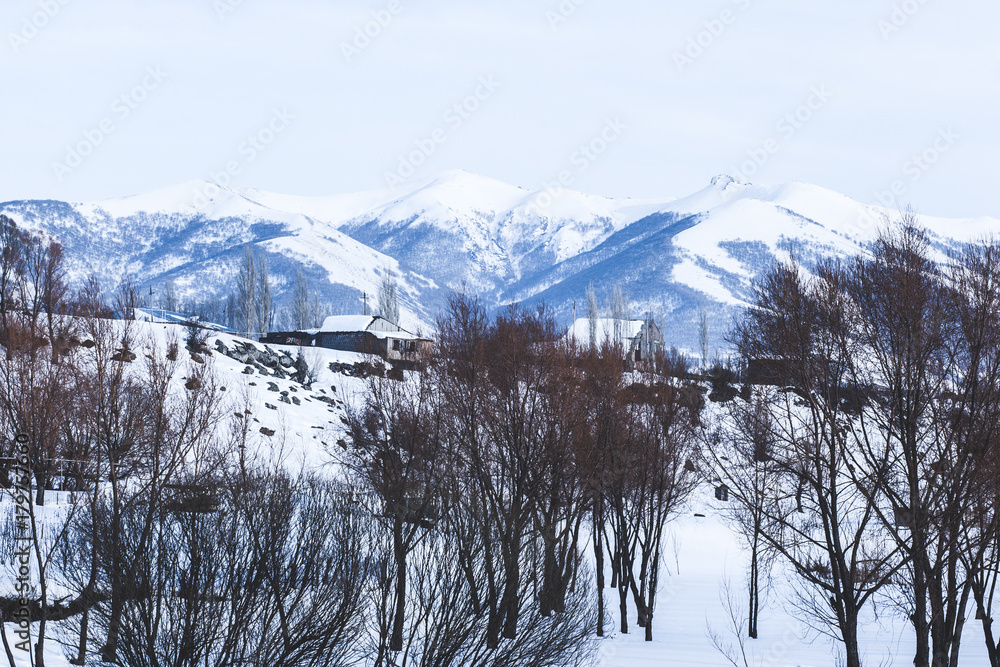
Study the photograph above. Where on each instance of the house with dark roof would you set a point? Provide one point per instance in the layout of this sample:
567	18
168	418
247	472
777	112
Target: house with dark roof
367	334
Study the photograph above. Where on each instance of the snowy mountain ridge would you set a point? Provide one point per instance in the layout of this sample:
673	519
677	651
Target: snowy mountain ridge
461	231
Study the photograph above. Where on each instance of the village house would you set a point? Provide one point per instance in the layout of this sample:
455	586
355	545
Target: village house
367	334
641	340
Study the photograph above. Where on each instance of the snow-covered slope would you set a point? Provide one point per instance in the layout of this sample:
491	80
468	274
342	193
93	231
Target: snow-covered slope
705	249
468	230
462	231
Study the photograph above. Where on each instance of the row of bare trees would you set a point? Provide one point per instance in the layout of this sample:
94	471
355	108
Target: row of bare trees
152	536
868	460
172	537
461	540
490	471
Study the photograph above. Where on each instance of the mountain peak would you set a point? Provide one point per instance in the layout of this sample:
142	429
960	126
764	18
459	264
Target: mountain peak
461	179
723	181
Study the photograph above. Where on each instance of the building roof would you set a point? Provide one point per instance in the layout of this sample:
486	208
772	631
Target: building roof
346	323
359	323
580	330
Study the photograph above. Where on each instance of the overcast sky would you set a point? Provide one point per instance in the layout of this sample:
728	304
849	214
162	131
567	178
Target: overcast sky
104	98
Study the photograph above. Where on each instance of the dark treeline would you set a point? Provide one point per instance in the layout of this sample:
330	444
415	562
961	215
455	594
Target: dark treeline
491	473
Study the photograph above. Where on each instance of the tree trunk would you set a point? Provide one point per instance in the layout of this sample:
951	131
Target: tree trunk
984	617
956	637
493	625
465	561
81	654
599	560
40	645
509	603
852	653
399	552
6	645
550	577
622	593
109	652
754	606
920	625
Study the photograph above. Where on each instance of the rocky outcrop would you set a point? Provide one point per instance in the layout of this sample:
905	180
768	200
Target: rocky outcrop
267	361
361	369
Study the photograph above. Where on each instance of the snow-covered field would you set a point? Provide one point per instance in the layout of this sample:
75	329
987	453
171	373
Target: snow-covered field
708	554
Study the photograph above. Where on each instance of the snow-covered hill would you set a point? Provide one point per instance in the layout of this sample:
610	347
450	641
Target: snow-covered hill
463	231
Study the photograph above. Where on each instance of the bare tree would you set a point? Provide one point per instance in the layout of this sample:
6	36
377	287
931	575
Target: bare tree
593	313
300	302
564	497
12	242
388	297
151	435
247	293
265	299
318	311
785	454
703	334
619	314
604	391
169	296
649	479
397	453
55	297
271	575
925	431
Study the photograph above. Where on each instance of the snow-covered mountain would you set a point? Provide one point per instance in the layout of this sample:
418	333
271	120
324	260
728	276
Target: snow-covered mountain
194	234
463	231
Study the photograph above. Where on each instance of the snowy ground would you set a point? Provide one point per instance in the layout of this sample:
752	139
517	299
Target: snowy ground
707	554
701	555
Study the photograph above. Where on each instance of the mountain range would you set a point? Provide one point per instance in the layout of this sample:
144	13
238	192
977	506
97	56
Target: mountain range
462	231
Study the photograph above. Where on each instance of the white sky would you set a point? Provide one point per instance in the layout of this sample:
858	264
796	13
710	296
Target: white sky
891	94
